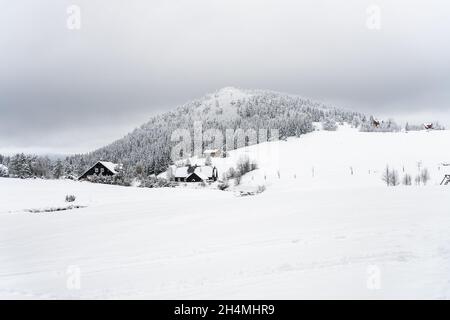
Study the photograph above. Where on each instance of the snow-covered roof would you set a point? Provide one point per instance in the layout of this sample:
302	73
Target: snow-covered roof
209	151
204	172
110	166
201	176
181	172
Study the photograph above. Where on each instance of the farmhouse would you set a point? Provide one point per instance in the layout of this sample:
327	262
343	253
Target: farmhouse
101	168
196	174
428	126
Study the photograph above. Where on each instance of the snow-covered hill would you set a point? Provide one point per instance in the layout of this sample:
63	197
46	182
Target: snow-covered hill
340	159
327	235
150	146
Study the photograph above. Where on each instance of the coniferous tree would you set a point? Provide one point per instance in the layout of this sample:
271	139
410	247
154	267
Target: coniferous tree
58	169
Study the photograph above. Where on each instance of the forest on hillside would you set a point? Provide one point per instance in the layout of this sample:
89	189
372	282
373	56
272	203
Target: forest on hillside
147	150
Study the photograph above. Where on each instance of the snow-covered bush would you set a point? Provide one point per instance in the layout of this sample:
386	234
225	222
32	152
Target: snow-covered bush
154	182
231	173
117	179
70	198
223	185
261	189
245	165
329	124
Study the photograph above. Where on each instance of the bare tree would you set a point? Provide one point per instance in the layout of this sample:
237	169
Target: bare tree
407	180
417	180
387	176
395	181
425	176
391	177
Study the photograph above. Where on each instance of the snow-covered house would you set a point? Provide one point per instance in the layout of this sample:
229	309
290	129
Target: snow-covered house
3	170
101	168
195	174
428	126
212	153
376	123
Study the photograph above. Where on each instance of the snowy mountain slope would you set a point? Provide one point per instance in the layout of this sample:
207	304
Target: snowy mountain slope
334	235
225	102
342	158
229	108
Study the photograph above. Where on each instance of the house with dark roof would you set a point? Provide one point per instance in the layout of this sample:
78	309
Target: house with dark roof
428	126
196	174
101	168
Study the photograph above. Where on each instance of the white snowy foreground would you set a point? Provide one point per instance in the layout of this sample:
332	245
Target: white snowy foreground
314	233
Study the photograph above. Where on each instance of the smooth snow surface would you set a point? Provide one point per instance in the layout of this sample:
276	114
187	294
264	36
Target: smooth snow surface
316	232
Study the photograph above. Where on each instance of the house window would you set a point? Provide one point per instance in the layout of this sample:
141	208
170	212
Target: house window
102	170
96	170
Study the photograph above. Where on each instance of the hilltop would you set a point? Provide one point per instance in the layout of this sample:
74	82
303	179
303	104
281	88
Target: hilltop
148	147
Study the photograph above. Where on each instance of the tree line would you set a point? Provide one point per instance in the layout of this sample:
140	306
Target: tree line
146	151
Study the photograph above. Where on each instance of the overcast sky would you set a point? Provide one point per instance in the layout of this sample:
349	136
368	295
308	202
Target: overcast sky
67	90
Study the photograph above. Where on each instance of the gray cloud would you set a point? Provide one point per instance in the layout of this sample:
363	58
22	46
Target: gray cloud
72	91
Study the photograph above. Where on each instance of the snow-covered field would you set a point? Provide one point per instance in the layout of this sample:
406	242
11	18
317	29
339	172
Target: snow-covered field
318	231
